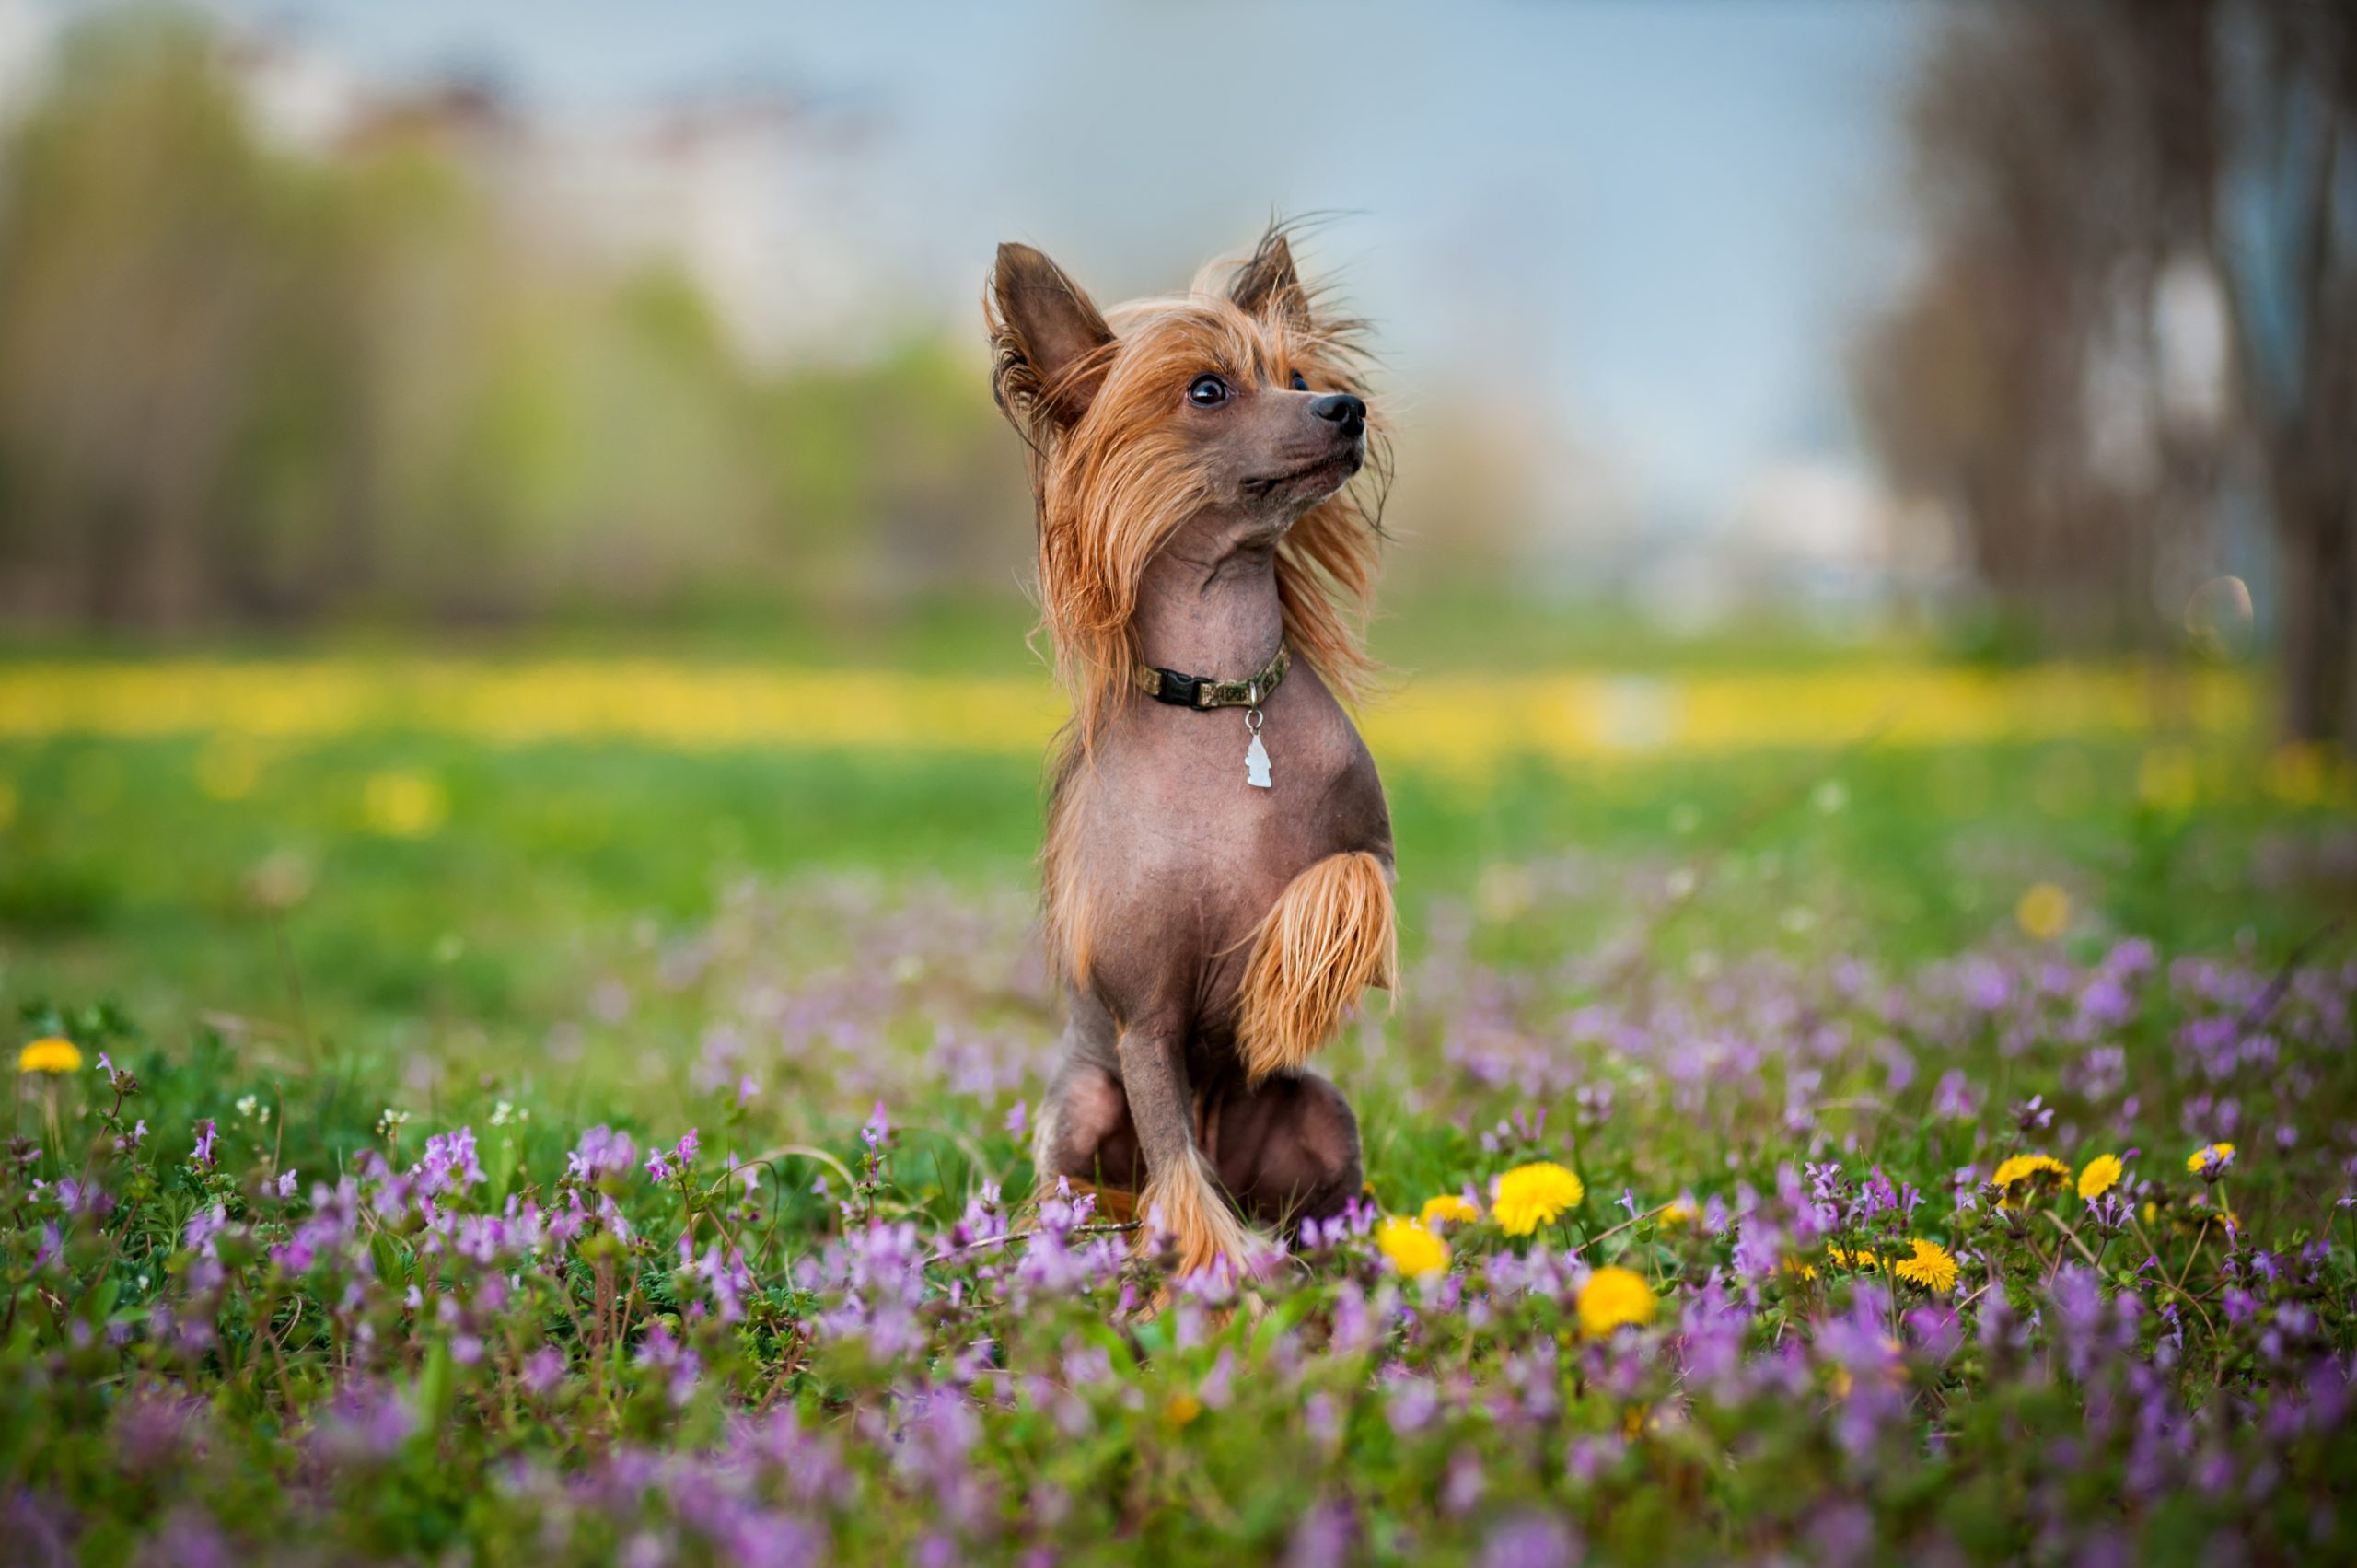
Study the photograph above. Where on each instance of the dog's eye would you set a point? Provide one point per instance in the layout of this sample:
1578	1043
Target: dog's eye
1207	392
1300	382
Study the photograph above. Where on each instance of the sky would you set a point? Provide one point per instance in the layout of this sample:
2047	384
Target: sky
1661	223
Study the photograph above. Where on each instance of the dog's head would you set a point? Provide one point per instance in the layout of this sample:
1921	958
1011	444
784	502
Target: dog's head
1236	397
1239	403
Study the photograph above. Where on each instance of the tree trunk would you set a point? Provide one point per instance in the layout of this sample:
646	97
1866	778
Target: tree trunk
2319	582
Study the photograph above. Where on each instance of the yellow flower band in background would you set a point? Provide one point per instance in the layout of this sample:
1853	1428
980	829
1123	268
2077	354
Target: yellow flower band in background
1446	721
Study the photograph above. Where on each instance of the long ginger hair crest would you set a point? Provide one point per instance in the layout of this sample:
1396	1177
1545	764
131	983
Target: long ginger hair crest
1113	476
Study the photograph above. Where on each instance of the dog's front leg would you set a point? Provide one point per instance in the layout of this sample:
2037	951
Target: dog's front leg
1181	1186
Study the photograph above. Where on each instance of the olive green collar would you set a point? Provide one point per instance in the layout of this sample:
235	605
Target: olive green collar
1201	691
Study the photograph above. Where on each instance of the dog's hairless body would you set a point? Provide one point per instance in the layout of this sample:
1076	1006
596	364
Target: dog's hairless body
1175	870
1195	857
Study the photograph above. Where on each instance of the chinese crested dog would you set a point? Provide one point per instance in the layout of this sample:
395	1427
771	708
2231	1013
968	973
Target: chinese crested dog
1218	861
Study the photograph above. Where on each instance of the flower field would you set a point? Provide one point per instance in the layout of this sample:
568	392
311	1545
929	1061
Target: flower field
611	1147
1458	723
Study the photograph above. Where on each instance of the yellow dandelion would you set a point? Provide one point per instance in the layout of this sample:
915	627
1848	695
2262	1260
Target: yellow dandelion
1799	1270
2100	1176
1181	1410
2029	1167
2020	1178
2043	912
51	1053
1413	1251
1932	1267
1447	1209
1679	1212
403	804
2209	1159
228	768
1612	1296
2168	781
1531	1195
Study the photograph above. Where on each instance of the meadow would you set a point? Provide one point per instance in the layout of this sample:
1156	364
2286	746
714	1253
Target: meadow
1842	1104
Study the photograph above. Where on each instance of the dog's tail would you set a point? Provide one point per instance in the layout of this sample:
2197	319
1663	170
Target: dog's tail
1331	933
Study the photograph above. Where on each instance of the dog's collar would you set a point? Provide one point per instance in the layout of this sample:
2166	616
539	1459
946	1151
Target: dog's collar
1201	691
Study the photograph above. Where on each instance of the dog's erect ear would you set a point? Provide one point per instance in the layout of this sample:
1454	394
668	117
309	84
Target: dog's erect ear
1267	285
1047	338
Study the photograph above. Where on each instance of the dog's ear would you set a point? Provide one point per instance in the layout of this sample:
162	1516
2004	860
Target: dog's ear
1267	286
1047	338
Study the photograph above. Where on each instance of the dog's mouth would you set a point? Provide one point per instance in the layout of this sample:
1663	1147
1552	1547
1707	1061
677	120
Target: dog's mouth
1320	477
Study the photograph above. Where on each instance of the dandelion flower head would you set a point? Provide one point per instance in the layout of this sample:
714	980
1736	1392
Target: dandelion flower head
2209	1159
1447	1209
1613	1296
1412	1249
1531	1195
2028	1168
2100	1175
2043	912
51	1053
1932	1267
2026	1173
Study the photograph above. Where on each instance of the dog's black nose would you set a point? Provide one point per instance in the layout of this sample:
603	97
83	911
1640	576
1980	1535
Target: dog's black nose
1342	409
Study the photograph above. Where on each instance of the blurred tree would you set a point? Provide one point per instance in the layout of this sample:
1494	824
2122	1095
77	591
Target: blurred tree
141	250
2285	236
238	384
2142	271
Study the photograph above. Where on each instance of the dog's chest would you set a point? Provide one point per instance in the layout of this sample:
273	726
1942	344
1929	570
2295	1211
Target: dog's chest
1188	795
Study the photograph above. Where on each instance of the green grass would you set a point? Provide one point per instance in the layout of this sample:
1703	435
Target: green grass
120	876
1412	631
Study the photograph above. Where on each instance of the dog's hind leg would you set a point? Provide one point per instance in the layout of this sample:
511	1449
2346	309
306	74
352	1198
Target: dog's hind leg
1288	1148
1086	1137
1181	1186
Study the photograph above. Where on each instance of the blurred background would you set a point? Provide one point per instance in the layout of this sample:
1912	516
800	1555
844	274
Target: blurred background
444	314
447	430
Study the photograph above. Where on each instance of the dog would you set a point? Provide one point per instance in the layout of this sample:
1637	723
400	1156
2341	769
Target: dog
1217	871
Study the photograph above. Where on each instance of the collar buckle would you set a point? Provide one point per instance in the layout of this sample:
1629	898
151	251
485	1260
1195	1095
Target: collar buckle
1204	692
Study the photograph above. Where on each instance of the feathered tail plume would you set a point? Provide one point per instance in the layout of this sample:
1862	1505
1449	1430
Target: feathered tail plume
1331	934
